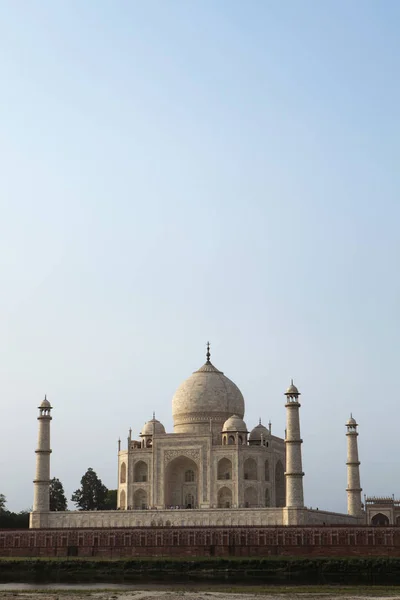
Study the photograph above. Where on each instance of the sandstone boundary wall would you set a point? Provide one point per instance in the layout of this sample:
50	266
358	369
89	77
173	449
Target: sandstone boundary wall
202	541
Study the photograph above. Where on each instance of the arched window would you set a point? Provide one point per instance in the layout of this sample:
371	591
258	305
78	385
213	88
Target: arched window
398	520
267	470
189	476
140	472
224	469
231	440
225	498
140	500
189	501
122	476
122	500
267	498
250	497
250	469
280	490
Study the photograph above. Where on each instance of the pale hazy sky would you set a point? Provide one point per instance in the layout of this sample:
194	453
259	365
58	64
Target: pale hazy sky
173	172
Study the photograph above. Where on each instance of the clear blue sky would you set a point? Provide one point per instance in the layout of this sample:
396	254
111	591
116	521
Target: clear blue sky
176	171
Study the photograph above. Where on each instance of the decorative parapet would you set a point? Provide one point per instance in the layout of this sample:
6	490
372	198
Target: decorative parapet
389	500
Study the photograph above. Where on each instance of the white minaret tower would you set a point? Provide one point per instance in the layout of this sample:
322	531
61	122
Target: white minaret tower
294	471
41	483
354	506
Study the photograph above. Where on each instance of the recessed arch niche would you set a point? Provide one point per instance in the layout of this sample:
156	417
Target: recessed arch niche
181	483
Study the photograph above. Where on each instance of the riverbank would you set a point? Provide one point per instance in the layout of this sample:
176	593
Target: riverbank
233	571
219	593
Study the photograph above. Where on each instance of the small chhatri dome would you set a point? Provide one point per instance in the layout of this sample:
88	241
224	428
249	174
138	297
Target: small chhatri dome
234	423
292	390
257	432
152	426
45	403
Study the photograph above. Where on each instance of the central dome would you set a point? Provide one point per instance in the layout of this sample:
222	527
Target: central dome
206	396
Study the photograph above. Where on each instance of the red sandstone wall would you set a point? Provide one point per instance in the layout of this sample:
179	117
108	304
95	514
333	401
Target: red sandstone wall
203	541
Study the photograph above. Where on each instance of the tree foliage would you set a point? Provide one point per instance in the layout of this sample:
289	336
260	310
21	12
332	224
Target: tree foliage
92	495
11	520
58	501
111	500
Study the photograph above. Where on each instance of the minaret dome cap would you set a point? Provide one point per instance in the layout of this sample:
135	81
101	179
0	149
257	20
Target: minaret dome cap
292	390
351	421
45	403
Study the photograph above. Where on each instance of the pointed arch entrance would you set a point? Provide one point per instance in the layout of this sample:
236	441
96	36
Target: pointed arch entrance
380	520
181	483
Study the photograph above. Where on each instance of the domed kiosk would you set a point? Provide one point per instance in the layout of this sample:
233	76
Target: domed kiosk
259	435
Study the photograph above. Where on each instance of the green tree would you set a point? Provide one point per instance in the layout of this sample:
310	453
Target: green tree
92	494
111	500
58	500
11	520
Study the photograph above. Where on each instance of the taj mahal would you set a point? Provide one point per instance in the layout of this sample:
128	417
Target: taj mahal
211	470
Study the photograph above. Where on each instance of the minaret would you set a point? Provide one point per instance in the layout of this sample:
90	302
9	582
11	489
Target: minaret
294	472
41	494
354	506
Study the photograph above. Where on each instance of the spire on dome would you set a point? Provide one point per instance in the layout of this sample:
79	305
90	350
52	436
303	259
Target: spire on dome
154	415
259	421
208	355
208	367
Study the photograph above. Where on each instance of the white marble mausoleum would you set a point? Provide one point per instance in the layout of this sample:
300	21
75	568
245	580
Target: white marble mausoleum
210	470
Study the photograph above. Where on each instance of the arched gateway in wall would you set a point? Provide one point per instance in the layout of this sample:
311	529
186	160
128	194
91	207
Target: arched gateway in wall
380	520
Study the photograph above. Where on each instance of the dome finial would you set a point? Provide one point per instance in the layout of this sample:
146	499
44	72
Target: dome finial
154	415
259	421
208	355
